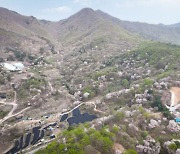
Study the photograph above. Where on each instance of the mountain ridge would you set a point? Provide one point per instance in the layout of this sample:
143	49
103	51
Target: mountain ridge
85	27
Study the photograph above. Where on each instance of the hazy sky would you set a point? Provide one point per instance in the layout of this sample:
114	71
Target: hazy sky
151	11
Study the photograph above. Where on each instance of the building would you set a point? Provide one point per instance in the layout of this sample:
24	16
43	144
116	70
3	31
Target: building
14	66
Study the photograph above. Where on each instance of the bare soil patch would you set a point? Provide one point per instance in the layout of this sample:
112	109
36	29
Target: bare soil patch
175	91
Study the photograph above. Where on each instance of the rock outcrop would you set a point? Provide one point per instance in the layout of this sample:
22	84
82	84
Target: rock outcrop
153	123
173	126
150	146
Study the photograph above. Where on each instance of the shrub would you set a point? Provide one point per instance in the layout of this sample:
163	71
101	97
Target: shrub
85	140
97	75
77	139
2	80
91	90
158	103
119	116
141	109
144	134
20	55
173	146
42	50
163	75
150	91
125	83
1	60
10	58
115	129
34	83
146	115
177	143
147	82
160	65
31	58
23	91
130	151
2	114
106	133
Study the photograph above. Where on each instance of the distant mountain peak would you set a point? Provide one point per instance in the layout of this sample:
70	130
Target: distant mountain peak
84	23
84	16
86	10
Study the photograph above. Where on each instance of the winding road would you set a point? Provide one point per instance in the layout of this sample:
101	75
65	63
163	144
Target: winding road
72	109
95	108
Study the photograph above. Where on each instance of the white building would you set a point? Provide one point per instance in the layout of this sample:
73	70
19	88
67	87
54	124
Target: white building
15	66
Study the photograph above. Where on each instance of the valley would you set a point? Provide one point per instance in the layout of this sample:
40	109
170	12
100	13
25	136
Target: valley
90	84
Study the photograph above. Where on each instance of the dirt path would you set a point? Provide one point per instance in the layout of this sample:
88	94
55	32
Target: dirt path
91	102
72	109
50	85
94	102
5	91
95	109
14	104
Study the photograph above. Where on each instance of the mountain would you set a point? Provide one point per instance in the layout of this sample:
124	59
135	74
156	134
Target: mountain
23	34
24	25
85	27
177	25
162	33
90	65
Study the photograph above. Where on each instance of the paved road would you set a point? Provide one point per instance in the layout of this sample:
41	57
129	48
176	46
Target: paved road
92	102
72	109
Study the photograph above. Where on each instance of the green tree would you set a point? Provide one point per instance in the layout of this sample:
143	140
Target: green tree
125	83
173	146
148	82
119	116
130	151
85	140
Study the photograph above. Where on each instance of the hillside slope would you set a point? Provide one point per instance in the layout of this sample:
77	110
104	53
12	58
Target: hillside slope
86	27
90	63
163	33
